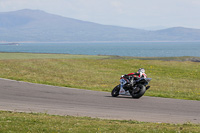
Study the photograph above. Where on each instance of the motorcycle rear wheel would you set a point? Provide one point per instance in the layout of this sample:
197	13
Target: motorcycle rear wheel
140	93
115	91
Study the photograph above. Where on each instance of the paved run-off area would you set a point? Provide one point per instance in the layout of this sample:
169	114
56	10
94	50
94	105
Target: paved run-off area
28	97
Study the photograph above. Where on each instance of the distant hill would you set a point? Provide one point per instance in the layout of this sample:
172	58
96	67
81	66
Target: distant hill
39	26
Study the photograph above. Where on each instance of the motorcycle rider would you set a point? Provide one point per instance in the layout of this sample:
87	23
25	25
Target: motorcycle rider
132	77
140	73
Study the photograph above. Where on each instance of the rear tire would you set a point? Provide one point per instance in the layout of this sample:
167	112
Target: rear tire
115	91
140	93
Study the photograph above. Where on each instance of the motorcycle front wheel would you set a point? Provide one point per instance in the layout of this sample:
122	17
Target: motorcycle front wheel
140	93
115	91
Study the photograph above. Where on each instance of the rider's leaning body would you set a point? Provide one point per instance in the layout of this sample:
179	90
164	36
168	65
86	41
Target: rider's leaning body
139	74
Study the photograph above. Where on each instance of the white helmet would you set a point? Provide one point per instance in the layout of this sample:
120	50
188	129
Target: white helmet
141	70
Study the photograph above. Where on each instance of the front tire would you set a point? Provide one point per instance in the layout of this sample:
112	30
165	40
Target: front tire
115	91
140	92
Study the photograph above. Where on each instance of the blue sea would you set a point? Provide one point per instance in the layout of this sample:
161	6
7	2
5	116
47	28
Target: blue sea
136	49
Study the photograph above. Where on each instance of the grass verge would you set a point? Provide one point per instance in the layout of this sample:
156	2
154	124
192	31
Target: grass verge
172	79
34	123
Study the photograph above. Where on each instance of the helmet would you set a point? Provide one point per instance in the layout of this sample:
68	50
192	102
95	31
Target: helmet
141	70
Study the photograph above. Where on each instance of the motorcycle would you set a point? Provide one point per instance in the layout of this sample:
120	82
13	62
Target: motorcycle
131	87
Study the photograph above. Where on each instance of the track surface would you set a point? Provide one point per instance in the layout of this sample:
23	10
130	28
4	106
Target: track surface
29	97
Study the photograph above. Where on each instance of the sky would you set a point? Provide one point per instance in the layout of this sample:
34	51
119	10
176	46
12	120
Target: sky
152	14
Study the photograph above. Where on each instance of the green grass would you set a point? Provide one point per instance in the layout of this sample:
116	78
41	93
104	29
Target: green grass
12	122
172	79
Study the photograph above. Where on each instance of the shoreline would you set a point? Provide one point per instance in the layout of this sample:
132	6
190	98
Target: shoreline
170	58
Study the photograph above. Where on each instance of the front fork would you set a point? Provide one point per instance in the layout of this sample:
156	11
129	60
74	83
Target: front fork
123	81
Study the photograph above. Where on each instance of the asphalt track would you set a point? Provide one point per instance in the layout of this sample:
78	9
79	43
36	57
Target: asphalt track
28	97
